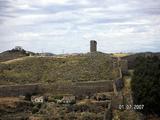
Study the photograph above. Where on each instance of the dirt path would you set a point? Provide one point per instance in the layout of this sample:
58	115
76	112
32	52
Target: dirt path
127	90
15	60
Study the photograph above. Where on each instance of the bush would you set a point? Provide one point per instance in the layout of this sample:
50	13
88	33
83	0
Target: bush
91	116
35	109
146	84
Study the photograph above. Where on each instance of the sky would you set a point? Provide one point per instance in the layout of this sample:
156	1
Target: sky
67	26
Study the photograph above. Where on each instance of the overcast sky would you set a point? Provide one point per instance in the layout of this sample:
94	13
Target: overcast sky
68	25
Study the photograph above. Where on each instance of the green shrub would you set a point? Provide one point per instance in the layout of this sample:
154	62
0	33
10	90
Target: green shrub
146	84
36	108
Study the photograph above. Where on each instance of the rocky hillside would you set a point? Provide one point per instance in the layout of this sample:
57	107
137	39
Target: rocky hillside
85	67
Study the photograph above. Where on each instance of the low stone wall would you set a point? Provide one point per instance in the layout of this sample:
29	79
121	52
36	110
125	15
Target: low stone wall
124	66
57	88
118	83
90	88
80	88
77	89
17	90
106	83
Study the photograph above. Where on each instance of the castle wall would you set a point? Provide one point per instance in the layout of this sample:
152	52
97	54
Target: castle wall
17	90
80	88
90	88
57	88
75	88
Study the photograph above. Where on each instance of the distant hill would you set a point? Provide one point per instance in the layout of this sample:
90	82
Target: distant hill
19	52
12	54
131	58
15	53
85	67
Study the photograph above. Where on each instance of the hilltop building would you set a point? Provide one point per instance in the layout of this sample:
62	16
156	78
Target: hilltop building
93	46
18	48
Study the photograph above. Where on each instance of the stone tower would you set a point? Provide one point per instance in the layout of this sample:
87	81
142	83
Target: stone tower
93	46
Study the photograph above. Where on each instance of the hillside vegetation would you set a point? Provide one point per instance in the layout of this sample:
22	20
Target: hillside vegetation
87	67
132	58
145	84
121	54
12	54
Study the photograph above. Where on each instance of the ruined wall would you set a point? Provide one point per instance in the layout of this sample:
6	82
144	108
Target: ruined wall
58	88
76	88
90	88
122	69
106	83
17	90
80	88
124	66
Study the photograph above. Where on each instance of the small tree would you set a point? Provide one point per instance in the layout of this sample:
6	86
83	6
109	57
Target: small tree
146	84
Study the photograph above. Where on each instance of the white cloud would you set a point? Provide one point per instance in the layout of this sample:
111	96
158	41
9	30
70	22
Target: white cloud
114	24
38	2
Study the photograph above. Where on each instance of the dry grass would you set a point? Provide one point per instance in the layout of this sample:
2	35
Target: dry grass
15	60
9	101
84	101
126	115
120	54
88	67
